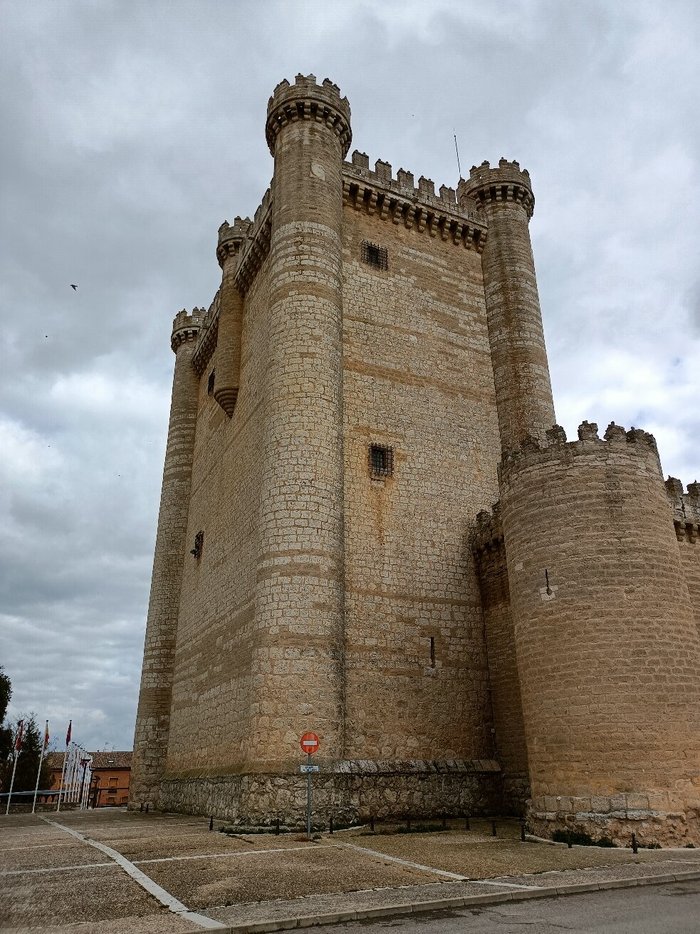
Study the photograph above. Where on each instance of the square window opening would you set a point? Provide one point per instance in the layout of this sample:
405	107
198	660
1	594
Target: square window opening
375	255
381	461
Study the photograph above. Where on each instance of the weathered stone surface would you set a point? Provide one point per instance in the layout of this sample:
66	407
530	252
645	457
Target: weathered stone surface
370	379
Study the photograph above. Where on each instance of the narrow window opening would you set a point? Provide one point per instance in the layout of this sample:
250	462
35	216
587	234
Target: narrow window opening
375	255
198	545
210	382
381	461
432	651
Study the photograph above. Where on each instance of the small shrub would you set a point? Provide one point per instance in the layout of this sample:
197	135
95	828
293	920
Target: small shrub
580	838
422	828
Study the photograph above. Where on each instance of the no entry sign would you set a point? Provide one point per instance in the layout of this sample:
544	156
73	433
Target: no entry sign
309	743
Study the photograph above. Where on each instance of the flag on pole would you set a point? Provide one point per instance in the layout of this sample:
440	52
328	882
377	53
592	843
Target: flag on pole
41	762
70	723
19	737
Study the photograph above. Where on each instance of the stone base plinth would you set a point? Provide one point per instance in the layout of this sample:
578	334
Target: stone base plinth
349	791
652	818
516	791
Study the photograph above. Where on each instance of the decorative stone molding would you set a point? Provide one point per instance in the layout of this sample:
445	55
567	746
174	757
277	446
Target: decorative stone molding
186	327
306	100
507	183
417	208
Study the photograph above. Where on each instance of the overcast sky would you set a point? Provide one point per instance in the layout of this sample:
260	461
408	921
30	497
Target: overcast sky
130	130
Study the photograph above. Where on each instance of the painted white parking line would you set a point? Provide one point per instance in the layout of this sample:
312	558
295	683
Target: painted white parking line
406	862
22	872
243	854
157	891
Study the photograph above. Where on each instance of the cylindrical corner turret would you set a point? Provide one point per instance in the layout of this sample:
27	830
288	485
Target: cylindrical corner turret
503	196
607	647
301	503
153	717
307	100
228	252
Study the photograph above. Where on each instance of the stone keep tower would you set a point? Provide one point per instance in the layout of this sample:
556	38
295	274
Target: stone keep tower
370	378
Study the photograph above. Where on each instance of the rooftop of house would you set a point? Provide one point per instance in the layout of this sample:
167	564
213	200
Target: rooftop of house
100	760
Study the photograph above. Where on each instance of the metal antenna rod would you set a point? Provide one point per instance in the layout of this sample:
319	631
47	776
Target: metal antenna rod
459	167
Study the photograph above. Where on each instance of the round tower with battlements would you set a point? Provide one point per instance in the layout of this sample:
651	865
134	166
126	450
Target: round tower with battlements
607	647
228	252
503	196
299	636
153	717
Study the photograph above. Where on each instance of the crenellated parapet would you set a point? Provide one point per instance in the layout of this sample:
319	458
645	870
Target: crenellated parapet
533	451
232	238
186	327
487	534
417	207
686	509
307	100
507	183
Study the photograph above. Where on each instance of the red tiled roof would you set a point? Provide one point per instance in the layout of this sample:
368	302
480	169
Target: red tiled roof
100	760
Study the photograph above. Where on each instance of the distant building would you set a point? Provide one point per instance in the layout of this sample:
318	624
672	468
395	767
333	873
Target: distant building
111	773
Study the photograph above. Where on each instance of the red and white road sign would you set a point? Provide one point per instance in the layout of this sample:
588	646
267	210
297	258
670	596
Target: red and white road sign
309	743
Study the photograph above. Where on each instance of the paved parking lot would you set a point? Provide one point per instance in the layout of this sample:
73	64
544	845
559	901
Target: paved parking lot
112	871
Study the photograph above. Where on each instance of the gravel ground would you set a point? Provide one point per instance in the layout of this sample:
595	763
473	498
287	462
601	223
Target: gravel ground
259	876
41	857
85	895
165	922
201	884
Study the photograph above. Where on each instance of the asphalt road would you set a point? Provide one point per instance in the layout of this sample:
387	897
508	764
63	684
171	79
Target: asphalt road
653	909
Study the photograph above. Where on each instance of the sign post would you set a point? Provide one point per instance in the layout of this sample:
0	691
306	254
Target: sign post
309	744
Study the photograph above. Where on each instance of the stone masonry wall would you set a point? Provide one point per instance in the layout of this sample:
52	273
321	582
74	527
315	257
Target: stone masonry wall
686	520
212	695
608	650
155	697
417	379
352	792
506	699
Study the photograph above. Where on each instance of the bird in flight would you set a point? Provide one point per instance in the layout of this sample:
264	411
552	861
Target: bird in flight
74	287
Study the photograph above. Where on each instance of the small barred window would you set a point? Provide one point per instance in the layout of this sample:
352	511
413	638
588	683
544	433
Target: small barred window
375	255
210	382
381	461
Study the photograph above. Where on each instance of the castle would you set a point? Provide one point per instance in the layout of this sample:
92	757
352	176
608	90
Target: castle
370	379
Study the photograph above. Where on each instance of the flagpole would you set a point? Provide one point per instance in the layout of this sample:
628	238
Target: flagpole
60	787
63	770
41	761
17	750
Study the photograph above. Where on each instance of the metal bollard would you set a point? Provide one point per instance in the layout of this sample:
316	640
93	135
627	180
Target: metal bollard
569	841
371	823
635	848
141	807
493	828
277	827
522	829
211	822
467	824
147	807
330	824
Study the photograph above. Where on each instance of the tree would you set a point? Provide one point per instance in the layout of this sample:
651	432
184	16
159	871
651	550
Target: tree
28	761
5	731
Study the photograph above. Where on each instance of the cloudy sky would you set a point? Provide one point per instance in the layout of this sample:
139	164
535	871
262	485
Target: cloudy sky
130	130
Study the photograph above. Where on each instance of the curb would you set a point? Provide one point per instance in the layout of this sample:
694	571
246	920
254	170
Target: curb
454	902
